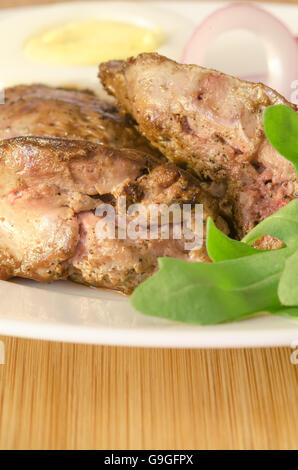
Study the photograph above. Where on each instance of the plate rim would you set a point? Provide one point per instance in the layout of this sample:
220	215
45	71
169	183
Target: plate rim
147	338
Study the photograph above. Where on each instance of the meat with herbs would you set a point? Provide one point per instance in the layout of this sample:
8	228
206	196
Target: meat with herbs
212	124
67	113
49	190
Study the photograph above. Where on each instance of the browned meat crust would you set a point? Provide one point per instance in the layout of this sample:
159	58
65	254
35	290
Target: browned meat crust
70	164
49	189
123	264
210	123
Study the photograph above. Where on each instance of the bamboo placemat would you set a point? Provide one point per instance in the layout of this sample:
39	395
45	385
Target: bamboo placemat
64	396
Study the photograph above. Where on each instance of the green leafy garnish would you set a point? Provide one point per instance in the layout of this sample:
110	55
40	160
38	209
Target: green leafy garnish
220	247
287	312
288	286
210	293
281	129
243	281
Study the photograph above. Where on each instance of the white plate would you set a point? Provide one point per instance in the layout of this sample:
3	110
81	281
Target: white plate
27	22
65	311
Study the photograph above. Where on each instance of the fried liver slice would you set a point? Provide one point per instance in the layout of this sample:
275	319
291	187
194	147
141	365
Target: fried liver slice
68	113
212	124
49	191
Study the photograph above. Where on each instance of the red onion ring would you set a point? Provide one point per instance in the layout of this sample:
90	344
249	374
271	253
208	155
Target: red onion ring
280	45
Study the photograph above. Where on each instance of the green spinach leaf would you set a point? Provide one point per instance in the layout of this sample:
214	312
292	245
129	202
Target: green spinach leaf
281	129
242	281
211	293
288	285
286	312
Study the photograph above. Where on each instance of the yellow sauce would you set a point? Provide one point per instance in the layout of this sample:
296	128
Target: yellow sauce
91	42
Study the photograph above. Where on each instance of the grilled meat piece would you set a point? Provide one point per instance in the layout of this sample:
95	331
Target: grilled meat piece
39	231
49	190
124	263
57	112
69	164
210	123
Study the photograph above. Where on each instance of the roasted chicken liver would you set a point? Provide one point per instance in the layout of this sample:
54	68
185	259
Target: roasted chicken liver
210	123
58	112
65	154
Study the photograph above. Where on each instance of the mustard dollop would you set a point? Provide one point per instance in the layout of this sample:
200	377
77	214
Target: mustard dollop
91	42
